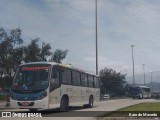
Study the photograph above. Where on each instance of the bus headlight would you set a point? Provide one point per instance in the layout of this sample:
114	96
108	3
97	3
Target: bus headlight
43	95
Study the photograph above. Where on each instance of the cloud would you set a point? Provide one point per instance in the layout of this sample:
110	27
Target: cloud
103	62
70	24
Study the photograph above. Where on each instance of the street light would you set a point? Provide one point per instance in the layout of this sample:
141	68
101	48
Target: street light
133	64
151	82
96	38
144	73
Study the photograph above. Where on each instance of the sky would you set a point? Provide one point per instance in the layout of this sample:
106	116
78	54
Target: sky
70	24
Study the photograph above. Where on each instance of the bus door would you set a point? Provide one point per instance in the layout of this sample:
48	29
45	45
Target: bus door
55	85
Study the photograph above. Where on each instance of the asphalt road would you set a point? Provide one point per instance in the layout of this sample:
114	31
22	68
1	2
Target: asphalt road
80	113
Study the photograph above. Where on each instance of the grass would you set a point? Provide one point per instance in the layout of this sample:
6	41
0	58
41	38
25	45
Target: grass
151	106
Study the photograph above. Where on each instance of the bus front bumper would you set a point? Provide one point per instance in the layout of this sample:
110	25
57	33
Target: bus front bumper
38	104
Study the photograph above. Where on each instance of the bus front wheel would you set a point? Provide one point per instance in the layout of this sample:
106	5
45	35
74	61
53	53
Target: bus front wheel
64	104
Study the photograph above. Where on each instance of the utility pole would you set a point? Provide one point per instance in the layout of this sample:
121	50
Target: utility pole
144	74
96	38
133	64
151	82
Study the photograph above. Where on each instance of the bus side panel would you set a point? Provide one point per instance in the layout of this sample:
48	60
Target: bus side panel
77	95
85	95
97	94
74	93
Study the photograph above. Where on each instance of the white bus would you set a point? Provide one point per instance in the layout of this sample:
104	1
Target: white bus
141	92
45	85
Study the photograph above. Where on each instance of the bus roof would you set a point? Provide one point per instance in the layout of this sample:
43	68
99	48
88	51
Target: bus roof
31	63
62	65
140	86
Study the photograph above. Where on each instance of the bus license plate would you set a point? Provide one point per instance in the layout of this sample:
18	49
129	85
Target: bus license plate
25	103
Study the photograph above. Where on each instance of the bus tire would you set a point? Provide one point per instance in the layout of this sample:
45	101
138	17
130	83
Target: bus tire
91	100
64	104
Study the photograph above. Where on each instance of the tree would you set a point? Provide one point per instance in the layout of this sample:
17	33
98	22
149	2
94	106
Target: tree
10	47
112	82
58	55
45	51
13	52
32	51
3	34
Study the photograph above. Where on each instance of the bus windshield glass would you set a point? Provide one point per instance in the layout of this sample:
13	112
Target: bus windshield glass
31	78
135	90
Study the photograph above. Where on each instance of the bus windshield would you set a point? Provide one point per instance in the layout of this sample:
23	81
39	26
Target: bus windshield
31	78
135	90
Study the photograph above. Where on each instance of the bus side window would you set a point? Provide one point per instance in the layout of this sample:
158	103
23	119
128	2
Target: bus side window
90	81
76	78
96	82
86	80
83	79
66	76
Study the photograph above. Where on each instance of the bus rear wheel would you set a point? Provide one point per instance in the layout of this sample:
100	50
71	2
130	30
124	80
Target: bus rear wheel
64	104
